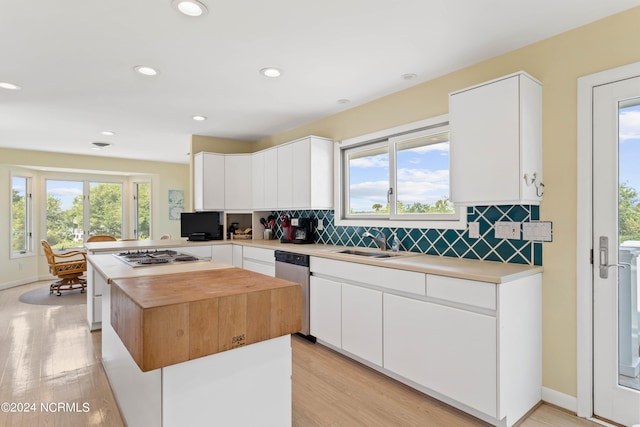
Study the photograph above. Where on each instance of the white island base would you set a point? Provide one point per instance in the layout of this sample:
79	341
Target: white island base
246	386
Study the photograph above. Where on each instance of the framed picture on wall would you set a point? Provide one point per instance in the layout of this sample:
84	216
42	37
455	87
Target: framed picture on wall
175	211
176	197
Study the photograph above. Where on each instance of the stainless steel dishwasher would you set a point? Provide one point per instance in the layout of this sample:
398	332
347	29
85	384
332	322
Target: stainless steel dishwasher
295	268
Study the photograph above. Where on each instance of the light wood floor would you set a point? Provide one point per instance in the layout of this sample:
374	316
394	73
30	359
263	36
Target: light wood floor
48	355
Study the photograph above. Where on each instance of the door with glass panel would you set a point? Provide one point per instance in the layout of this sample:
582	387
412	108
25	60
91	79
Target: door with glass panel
105	209
616	245
142	211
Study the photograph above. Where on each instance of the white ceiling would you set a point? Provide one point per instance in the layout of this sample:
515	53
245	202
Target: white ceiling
74	60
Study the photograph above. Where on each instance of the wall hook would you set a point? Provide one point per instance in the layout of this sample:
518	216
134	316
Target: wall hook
534	181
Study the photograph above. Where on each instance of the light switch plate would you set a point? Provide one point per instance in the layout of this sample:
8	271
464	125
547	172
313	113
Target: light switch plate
541	231
507	230
474	230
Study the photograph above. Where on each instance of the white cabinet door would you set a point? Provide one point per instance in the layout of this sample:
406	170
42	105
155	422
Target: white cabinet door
238	182
325	310
271	179
237	255
362	322
450	351
257	178
495	139
208	181
301	166
222	253
285	176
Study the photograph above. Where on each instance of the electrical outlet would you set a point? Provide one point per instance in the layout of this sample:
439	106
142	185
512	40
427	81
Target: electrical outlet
507	230
320	225
539	230
474	230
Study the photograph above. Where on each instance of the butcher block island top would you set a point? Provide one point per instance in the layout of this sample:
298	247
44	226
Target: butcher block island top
171	318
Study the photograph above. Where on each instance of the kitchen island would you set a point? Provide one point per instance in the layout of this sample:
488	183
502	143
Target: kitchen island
197	344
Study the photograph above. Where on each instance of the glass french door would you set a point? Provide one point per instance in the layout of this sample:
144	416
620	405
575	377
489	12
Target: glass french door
142	200
616	246
76	210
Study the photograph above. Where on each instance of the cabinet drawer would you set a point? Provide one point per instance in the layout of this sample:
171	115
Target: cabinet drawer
258	267
470	292
387	278
259	254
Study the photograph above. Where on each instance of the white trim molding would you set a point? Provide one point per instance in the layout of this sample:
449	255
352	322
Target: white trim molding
559	399
584	228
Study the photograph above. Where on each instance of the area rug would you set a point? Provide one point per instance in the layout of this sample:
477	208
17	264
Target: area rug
41	296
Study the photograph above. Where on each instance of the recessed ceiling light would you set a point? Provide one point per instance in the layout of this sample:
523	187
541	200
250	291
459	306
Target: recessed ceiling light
190	7
199	118
270	72
408	76
343	101
108	132
97	145
9	86
145	70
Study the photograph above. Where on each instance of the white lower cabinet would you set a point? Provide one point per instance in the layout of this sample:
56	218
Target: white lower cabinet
362	322
237	255
325	310
448	350
474	345
259	260
347	317
222	253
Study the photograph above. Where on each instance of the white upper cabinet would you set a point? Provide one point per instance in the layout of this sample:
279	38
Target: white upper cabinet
270	181
496	142
238	182
257	176
285	176
295	175
265	179
208	181
305	174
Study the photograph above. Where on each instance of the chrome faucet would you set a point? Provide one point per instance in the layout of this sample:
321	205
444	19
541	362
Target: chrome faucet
381	240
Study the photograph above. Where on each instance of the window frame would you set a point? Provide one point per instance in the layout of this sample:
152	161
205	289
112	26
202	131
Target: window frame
86	180
29	224
391	137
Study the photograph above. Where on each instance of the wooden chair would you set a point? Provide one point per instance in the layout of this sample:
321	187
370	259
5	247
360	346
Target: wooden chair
68	267
101	238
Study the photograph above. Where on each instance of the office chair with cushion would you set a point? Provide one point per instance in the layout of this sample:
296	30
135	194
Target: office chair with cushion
68	267
101	238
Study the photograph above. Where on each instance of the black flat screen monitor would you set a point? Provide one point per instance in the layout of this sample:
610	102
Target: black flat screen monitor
200	225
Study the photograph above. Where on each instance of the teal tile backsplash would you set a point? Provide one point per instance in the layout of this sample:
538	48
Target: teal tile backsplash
453	243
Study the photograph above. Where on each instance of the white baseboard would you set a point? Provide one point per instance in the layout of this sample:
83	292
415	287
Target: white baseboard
23	281
564	401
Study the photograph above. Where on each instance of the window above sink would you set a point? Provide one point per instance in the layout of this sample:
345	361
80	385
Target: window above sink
398	177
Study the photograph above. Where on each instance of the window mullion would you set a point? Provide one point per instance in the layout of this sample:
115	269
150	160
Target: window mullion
392	179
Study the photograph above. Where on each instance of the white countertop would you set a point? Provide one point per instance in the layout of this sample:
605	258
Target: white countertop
485	271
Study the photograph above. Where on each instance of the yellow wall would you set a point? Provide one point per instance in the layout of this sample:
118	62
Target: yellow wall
164	177
557	62
211	144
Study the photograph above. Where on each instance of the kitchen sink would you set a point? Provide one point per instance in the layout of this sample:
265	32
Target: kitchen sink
368	254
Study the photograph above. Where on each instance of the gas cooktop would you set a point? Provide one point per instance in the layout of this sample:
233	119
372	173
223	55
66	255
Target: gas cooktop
144	258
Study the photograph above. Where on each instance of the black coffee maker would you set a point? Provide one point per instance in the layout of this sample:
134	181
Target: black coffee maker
302	230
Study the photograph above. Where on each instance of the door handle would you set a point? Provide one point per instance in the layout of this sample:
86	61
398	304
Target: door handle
603	258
